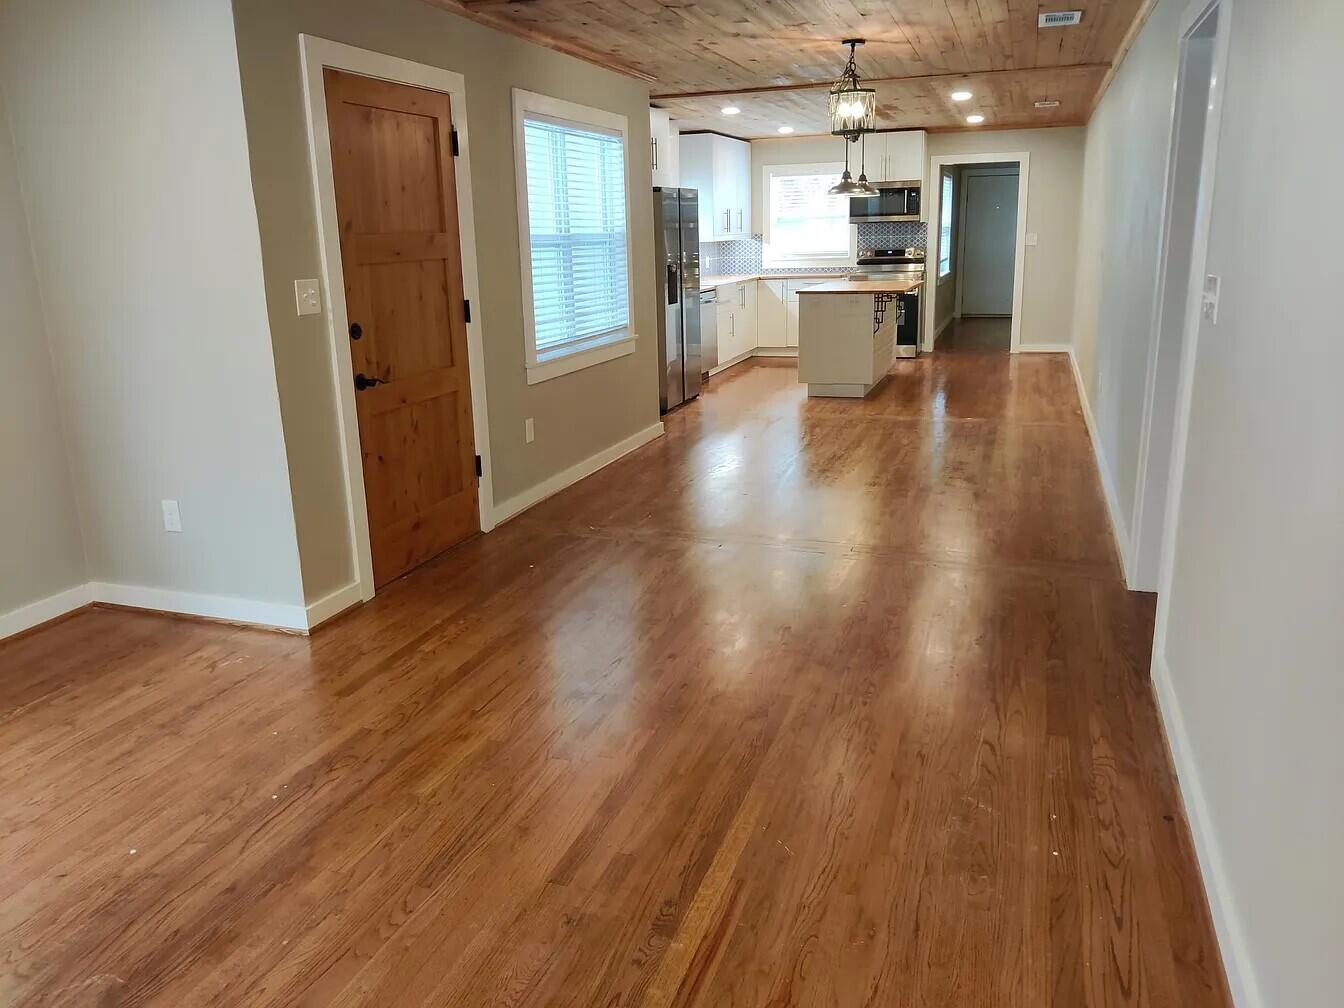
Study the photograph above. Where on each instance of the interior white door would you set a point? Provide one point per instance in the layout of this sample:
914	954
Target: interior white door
989	240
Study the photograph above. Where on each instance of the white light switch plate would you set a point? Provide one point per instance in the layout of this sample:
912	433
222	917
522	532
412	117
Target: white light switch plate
1209	307
172	516
1031	238
307	297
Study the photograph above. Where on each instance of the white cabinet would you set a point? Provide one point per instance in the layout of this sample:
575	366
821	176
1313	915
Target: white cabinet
736	320
791	289
720	168
896	157
772	320
663	149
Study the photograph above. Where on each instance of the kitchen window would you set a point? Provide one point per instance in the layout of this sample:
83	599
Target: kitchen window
574	234
945	227
804	224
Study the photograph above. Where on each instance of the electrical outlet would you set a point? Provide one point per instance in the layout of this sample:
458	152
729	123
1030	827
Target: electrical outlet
1031	239
307	297
172	516
529	431
1209	305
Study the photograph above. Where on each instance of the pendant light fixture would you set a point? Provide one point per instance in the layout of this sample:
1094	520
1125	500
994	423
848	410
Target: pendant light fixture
853	116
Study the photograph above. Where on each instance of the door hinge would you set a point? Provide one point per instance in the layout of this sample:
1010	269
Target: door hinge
457	147
479	471
466	309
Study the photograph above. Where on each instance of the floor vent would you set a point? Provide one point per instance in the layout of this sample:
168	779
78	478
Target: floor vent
1060	19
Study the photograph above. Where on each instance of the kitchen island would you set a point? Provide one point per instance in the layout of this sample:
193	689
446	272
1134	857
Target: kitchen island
847	333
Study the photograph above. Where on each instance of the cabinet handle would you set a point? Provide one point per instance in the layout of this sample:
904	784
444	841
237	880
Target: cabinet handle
727	221
653	142
741	226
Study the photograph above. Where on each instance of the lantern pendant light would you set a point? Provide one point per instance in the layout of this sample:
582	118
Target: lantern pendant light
853	107
853	116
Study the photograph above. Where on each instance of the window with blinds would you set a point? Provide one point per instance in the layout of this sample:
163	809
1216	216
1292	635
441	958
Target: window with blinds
945	227
803	221
576	228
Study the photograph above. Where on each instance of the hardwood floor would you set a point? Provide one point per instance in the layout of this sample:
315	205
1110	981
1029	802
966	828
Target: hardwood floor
977	334
808	703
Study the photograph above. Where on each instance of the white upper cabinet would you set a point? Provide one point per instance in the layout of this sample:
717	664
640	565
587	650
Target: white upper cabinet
897	157
720	168
663	149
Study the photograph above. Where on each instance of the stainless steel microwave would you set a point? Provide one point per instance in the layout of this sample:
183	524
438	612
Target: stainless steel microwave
895	201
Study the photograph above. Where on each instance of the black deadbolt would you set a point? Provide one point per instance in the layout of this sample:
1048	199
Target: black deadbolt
356	331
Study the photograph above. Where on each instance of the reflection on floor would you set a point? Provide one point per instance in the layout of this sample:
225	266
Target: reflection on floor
977	334
810	702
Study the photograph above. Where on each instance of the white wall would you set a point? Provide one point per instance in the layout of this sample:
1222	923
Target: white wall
1052	215
1250	671
129	130
41	549
1124	171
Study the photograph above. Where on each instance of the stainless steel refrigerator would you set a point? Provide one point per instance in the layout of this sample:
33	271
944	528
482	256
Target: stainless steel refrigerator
676	231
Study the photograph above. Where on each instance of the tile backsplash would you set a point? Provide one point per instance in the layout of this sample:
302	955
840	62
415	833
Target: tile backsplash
744	255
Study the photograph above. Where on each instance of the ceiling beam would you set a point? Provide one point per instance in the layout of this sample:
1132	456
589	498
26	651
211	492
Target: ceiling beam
814	85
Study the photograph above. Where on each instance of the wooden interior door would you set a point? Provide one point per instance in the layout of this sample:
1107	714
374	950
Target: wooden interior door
396	198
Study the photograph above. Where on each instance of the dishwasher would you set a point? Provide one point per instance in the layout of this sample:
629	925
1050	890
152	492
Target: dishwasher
709	331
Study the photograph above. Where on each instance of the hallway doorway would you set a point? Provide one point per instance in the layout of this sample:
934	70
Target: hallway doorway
1193	149
977	238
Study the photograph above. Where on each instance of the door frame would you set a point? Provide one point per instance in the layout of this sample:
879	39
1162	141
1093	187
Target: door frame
1146	525
1194	15
316	54
936	166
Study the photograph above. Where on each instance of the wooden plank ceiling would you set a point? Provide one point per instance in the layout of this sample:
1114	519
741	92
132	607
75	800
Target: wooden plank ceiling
774	59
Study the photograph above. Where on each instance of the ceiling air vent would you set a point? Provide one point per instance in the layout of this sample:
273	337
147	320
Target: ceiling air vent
1049	103
1060	19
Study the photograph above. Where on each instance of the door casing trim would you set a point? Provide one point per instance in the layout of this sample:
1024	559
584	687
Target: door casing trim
929	303
315	55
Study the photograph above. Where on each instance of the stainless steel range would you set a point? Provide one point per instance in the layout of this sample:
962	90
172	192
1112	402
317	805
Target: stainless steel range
891	262
907	264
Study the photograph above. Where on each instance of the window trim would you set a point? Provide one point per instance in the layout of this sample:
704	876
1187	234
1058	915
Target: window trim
768	172
602	347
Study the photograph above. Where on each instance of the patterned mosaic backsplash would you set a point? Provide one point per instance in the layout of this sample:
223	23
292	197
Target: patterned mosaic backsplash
744	255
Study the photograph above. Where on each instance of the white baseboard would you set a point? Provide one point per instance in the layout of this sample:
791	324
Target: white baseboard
36	613
729	363
218	607
1226	921
333	605
1045	348
1107	482
533	495
775	351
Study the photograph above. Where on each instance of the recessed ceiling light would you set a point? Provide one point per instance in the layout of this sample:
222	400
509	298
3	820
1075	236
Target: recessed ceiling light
962	96
975	120
786	129
730	110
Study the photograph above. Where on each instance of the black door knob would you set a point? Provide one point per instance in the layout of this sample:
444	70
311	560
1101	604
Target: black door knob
356	330
363	381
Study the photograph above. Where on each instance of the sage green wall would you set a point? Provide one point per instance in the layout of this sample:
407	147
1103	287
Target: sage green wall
576	415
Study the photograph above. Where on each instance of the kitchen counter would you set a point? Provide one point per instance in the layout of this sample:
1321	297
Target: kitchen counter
710	282
893	285
848	333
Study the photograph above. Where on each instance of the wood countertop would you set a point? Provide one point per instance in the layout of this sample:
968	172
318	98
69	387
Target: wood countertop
884	286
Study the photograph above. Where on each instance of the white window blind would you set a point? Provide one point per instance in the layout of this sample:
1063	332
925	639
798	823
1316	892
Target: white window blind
945	228
577	228
803	219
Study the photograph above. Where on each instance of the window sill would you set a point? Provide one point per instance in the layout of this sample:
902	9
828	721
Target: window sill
541	371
